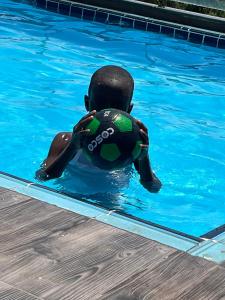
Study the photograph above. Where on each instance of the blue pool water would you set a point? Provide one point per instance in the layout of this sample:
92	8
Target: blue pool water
46	61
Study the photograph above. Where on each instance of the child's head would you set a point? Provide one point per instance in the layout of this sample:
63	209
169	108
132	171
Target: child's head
110	87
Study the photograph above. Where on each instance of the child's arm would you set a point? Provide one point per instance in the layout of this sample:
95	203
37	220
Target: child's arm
63	148
147	178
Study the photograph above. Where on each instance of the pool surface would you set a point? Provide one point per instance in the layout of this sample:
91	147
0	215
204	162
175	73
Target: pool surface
46	63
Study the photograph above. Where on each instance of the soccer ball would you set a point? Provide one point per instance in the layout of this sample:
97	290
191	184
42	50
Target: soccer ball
114	140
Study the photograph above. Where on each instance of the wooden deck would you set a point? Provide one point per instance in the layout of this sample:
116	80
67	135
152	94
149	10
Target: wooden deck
49	253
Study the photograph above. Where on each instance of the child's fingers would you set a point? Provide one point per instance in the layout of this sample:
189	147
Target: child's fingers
144	147
85	132
142	126
83	123
92	113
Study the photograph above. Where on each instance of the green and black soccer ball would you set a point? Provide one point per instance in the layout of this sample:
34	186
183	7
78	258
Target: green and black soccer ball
114	140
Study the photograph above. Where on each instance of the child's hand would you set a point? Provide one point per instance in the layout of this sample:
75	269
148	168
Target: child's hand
41	175
145	138
152	186
79	131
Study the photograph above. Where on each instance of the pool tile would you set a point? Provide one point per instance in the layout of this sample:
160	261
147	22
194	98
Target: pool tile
127	22
52	6
88	14
76	11
101	16
138	24
64	8
41	3
114	19
181	34
221	43
153	27
210	41
167	30
195	37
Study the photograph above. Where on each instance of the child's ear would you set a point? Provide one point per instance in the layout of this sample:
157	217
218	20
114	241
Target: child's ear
86	102
130	107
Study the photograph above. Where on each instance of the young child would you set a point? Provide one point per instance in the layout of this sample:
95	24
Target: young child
110	87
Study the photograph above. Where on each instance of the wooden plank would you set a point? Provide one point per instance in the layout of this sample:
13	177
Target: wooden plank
8	198
171	279
31	223
85	274
44	244
63	260
50	253
100	268
210	287
8	292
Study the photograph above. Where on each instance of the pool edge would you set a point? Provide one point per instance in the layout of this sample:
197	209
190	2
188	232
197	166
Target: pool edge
100	214
208	249
124	19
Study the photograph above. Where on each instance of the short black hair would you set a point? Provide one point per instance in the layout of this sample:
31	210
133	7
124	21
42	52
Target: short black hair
110	87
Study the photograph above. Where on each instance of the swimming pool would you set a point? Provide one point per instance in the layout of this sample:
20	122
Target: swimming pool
46	63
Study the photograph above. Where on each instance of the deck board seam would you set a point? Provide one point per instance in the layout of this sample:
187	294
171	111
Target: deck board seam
21	290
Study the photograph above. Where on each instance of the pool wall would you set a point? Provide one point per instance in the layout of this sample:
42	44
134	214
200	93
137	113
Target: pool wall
124	19
162	13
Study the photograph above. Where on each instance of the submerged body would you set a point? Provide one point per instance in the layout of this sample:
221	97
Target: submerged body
84	177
